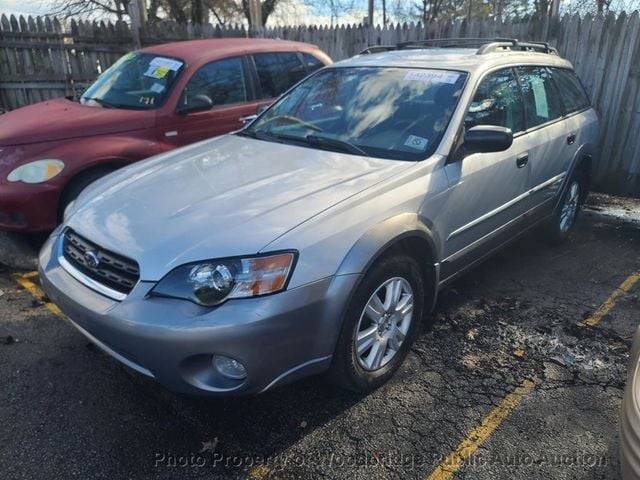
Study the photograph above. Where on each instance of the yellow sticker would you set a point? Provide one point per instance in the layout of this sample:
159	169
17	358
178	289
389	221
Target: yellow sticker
160	72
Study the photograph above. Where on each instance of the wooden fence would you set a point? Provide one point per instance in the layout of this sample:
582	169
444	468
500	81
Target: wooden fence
41	58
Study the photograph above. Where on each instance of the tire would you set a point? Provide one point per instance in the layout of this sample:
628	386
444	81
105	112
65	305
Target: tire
364	371
77	185
564	219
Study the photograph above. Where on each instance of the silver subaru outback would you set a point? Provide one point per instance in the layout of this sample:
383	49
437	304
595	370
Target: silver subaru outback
316	238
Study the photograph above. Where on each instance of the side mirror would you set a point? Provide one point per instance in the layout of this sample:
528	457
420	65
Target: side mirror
197	103
487	138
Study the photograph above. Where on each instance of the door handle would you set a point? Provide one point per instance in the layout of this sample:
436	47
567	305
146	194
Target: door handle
522	160
248	118
571	139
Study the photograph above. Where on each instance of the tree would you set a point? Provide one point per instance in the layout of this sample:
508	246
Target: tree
181	11
335	8
266	7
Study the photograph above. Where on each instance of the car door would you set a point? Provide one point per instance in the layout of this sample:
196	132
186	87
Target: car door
486	189
277	72
226	84
551	135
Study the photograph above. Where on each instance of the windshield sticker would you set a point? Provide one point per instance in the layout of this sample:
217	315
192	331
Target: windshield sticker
419	143
146	100
157	72
130	56
432	76
157	88
166	62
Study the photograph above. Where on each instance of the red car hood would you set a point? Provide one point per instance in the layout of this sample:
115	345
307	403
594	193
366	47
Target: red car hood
62	119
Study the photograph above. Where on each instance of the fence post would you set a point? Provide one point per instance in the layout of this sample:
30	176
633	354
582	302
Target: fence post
134	15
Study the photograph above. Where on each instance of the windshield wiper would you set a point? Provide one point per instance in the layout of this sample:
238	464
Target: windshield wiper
336	143
102	102
315	140
257	135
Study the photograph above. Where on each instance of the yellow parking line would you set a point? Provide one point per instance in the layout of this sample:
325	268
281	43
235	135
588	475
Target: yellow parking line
608	304
24	280
259	472
469	445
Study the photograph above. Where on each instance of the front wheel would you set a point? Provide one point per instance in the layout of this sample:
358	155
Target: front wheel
76	187
380	324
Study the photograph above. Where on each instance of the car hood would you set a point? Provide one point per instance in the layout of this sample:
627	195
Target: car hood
62	119
223	197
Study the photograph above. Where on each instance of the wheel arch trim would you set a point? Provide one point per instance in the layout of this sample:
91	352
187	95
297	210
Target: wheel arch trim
384	236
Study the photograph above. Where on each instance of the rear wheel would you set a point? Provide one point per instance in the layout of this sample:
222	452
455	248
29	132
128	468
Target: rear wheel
566	215
380	324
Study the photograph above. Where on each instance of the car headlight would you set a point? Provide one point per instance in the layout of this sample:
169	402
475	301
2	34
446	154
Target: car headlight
210	283
37	172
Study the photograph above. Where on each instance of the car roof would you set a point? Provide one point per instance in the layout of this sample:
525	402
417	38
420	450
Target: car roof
464	59
195	50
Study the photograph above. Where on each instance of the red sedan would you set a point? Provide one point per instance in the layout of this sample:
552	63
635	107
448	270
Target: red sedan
150	101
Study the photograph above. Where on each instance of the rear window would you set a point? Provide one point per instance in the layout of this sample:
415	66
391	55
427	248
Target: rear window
541	97
572	93
278	71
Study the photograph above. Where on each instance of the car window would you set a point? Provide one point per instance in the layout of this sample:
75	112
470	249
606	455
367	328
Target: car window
278	71
393	113
498	101
222	81
543	103
311	62
572	93
140	81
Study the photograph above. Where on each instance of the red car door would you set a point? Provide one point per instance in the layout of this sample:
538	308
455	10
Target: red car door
213	102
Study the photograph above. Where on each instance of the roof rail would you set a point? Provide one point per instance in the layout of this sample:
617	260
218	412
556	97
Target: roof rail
378	49
513	44
484	45
450	42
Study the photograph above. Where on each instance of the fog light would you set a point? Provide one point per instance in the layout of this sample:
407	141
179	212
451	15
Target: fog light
229	367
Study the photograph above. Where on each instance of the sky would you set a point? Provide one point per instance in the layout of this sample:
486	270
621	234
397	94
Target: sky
289	13
21	7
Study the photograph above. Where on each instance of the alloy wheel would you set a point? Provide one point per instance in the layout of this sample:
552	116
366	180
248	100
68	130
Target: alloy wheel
570	207
384	324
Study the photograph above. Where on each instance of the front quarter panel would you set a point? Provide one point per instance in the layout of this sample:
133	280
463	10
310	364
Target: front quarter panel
345	238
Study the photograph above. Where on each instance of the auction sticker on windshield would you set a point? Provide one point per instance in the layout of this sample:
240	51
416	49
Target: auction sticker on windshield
432	76
419	143
160	66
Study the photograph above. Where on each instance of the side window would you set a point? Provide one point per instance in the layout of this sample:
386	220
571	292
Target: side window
540	95
572	92
311	62
497	101
278	71
222	81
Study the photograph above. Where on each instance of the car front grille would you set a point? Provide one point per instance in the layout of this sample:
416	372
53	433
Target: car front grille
104	267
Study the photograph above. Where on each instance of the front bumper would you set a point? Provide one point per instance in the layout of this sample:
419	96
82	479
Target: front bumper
28	208
279	338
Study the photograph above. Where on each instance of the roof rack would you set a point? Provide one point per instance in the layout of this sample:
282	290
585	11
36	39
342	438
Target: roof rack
484	45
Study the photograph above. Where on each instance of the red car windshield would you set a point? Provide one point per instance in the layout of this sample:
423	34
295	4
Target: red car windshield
140	81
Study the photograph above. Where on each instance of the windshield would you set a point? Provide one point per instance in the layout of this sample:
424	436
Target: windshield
394	113
136	81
